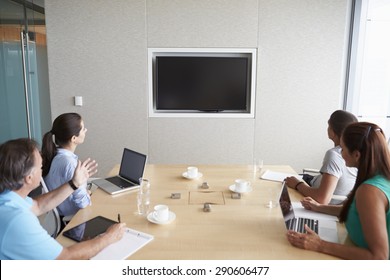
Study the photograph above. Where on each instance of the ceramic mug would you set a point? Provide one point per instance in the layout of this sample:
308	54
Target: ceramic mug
192	172
241	185
161	213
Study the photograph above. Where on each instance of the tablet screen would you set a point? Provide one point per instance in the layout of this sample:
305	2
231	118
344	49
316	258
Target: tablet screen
89	229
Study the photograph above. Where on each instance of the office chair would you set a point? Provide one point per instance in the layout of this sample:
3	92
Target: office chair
308	174
311	171
51	220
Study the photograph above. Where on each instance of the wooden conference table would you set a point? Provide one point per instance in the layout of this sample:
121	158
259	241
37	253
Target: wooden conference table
234	228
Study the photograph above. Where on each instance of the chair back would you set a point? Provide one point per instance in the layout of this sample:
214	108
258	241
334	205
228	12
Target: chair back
51	220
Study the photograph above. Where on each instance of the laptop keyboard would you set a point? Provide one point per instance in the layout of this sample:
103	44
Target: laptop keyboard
298	224
120	182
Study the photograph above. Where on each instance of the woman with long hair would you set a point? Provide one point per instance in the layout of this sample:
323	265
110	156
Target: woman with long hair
59	159
366	211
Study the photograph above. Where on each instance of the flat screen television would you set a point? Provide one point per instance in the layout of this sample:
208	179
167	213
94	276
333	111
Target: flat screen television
202	83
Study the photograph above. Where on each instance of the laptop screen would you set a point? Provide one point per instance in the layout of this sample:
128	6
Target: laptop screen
132	165
285	204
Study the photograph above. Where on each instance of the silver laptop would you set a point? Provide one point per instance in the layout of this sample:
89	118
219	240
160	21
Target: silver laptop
326	229
131	170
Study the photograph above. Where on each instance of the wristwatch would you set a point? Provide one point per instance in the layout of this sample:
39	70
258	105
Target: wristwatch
72	185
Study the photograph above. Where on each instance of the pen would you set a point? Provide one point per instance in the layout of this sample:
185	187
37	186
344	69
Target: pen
119	218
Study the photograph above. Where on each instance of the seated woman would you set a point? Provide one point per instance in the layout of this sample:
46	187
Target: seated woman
60	161
335	178
366	212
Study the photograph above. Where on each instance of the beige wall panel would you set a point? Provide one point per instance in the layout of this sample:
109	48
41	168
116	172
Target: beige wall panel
201	141
301	45
194	23
97	49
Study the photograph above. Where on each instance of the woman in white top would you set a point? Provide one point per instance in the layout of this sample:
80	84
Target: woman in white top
335	178
60	160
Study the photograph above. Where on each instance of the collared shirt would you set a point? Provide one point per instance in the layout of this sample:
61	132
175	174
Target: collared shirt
21	235
61	171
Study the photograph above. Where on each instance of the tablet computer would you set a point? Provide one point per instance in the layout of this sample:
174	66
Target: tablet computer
89	229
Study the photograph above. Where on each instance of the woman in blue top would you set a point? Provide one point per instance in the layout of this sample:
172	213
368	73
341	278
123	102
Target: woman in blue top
60	161
366	211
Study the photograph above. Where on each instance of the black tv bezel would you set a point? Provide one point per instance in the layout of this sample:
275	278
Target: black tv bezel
249	54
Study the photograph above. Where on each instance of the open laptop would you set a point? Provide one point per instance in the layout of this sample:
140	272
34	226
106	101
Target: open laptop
131	170
326	229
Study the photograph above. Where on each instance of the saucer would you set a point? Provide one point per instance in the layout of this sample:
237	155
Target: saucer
172	217
185	175
233	189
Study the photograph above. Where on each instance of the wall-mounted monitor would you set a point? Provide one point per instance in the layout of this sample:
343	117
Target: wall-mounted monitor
202	82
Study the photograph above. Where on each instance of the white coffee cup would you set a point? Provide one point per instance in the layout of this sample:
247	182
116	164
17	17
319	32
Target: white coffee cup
161	213
241	185
192	172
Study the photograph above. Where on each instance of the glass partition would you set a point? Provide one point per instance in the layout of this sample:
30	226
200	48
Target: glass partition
24	90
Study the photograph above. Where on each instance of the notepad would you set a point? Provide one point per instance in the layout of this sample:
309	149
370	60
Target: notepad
131	242
277	176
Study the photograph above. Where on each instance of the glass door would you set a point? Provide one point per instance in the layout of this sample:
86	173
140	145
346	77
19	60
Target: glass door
24	90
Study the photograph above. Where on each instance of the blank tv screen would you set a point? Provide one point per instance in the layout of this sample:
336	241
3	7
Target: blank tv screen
202	83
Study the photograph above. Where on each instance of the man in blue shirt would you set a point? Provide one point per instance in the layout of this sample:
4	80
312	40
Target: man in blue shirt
21	235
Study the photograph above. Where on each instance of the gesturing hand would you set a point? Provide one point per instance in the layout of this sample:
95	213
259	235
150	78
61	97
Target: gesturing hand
83	171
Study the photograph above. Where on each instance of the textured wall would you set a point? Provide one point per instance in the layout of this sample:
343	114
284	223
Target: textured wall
98	49
300	78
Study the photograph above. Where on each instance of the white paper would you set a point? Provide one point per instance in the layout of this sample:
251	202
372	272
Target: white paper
131	242
277	176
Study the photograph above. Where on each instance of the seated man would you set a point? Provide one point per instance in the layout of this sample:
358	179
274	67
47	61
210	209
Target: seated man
335	178
21	234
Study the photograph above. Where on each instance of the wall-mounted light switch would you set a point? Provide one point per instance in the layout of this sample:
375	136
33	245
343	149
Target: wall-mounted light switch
78	101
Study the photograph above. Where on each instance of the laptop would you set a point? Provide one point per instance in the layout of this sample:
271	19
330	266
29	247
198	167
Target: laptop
326	229
131	170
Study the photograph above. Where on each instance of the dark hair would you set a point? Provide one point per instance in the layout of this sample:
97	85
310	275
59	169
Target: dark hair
339	120
370	141
16	161
65	126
